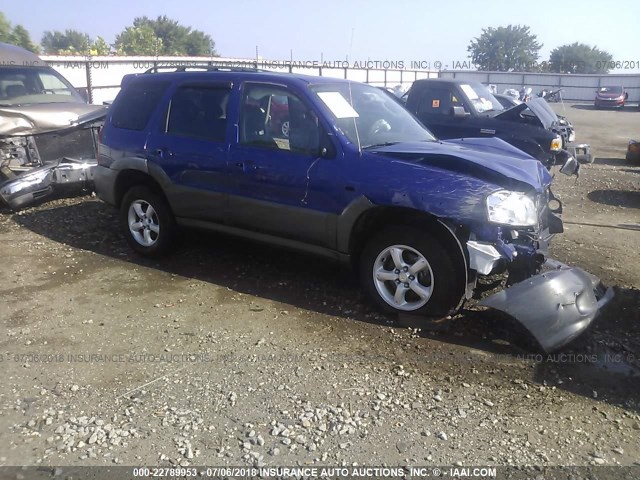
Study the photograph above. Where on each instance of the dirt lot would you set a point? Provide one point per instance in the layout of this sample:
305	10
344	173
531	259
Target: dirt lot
229	353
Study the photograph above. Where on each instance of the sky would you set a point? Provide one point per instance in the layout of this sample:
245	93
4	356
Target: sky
356	30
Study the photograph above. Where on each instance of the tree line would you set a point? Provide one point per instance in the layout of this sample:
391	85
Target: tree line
515	49
503	49
146	36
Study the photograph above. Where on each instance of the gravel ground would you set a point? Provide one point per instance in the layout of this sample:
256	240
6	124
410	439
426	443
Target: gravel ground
230	353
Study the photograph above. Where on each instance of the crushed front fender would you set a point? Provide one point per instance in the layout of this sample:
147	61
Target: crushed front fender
38	184
556	305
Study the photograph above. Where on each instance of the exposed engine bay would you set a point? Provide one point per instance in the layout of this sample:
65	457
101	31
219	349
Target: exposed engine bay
45	163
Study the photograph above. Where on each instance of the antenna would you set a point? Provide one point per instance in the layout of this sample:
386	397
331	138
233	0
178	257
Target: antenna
351	44
354	121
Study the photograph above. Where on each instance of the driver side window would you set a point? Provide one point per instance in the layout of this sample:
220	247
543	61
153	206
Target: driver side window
274	118
439	101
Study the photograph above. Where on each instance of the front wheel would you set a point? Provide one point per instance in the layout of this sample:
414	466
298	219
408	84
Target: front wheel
147	221
406	270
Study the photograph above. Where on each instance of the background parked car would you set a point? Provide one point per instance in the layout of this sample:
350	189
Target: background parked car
454	108
507	101
48	132
610	97
633	151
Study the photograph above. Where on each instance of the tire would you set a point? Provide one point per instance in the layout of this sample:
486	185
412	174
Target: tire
157	234
409	248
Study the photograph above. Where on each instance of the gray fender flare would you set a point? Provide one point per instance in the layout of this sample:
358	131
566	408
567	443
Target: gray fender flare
348	219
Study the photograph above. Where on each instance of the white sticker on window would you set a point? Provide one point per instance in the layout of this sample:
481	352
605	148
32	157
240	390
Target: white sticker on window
469	92
338	105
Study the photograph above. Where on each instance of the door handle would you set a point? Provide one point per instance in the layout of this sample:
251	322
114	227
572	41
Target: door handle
246	166
163	152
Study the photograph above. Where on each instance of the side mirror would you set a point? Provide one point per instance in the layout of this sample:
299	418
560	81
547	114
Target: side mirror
570	167
84	93
458	112
326	150
626	95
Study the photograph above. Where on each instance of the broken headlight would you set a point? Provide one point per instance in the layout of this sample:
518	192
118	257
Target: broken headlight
511	208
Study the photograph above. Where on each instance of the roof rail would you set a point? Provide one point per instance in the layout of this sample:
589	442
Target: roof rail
201	68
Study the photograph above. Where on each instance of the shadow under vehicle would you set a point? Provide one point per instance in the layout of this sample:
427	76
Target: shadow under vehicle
48	133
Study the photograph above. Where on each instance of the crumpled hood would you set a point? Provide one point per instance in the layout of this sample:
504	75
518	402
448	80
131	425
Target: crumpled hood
492	159
538	106
47	117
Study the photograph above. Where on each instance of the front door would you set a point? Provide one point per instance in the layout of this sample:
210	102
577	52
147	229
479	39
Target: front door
277	152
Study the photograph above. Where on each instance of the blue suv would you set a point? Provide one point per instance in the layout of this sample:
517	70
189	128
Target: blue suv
353	177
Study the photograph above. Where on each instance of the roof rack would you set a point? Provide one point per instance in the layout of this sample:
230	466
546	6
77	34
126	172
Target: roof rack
201	68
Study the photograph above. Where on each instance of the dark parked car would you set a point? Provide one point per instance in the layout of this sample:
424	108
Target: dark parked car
48	133
610	97
457	108
507	101
562	127
633	151
357	179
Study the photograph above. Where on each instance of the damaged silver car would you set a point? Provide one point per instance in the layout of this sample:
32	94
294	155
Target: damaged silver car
48	133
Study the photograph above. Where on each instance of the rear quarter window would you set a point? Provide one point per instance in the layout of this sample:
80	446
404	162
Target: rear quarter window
136	103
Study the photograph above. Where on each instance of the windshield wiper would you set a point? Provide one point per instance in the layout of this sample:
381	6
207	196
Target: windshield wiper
376	145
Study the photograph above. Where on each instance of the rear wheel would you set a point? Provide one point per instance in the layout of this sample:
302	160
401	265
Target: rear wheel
147	222
406	270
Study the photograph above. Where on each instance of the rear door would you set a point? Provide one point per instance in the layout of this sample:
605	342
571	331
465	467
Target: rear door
192	147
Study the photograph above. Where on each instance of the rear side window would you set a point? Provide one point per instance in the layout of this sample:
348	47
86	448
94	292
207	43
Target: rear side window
136	104
199	112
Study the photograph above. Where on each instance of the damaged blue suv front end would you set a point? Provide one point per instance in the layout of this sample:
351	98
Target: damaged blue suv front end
565	299
504	214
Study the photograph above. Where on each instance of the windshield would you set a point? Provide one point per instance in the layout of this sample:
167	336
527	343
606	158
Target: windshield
617	90
369	117
480	98
32	85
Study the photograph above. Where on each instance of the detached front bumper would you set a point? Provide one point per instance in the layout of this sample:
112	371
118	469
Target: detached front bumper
581	152
556	305
31	187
